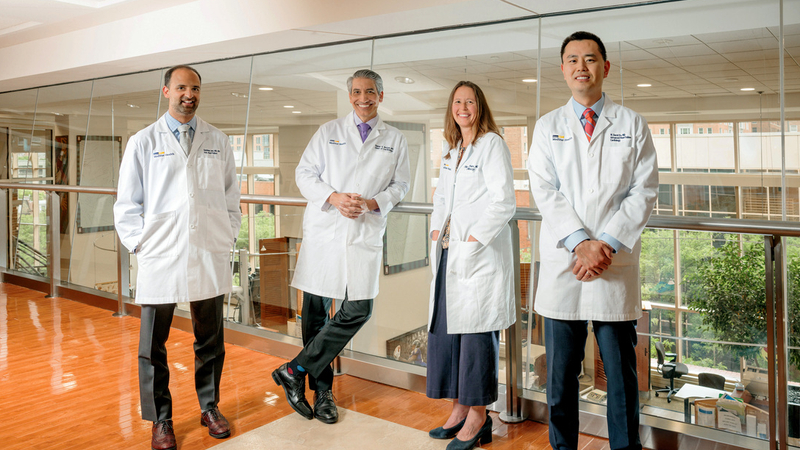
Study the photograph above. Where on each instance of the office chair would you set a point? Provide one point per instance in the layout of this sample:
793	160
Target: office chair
711	380
669	370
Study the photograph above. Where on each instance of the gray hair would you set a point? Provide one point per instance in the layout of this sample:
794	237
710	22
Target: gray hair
366	73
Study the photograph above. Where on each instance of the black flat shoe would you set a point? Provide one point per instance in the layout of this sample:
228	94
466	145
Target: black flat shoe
484	436
447	433
295	389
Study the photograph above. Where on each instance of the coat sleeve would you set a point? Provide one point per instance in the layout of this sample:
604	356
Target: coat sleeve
232	191
557	212
498	175
129	207
627	223
398	185
308	174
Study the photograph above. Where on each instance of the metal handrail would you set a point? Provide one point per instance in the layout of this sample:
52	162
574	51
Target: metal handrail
736	226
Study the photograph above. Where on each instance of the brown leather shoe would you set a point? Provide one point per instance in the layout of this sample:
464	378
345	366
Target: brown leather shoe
217	424
163	436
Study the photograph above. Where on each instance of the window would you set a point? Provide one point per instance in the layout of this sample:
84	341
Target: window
685	130
708	130
661	131
700	130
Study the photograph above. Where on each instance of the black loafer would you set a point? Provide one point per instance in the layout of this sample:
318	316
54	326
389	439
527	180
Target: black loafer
295	389
324	408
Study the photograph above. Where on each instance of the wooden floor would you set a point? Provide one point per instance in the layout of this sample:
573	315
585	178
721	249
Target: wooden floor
68	379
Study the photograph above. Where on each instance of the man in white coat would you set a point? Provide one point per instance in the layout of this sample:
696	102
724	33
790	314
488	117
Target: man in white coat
353	171
177	209
594	178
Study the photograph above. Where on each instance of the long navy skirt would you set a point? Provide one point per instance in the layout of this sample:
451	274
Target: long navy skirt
460	366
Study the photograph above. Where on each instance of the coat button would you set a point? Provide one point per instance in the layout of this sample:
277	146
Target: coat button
591	191
591	155
193	227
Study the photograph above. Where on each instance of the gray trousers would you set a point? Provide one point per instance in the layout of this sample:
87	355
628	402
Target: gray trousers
209	355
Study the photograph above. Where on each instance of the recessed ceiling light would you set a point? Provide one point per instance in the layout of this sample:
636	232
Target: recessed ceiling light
529	80
644	85
288	106
239	94
731	79
265	88
404	80
663	41
748	89
297	112
131	105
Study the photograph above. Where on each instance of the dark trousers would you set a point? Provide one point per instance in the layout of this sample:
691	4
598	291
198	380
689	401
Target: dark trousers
324	337
460	366
564	343
209	355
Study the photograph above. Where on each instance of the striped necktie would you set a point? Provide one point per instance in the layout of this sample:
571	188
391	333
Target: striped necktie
184	139
588	127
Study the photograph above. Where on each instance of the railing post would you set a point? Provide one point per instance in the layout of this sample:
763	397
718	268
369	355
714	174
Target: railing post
123	278
781	341
4	233
513	412
54	242
244	281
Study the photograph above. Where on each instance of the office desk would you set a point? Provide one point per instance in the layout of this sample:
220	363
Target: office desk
688	391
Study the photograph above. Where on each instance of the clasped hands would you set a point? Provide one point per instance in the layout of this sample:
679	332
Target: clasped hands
594	257
351	205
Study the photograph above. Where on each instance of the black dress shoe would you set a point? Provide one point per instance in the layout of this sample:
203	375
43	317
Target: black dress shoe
447	433
484	435
324	407
295	388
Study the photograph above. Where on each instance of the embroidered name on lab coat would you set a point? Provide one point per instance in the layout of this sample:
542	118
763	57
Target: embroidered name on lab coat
446	167
385	148
335	142
211	151
158	154
471	167
558	137
619	137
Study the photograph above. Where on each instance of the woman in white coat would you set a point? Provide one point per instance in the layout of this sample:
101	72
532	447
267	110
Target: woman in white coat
472	294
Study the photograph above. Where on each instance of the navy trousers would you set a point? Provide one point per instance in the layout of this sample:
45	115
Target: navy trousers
460	366
564	342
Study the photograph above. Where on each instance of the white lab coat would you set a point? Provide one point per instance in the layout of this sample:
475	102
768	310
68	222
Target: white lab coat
341	255
478	196
608	185
180	214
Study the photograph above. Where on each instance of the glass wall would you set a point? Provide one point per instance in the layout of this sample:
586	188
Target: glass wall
709	88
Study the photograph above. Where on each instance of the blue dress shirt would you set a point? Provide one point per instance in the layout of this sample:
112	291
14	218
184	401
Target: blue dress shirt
173	124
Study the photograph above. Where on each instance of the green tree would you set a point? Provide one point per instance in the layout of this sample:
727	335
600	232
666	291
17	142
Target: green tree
728	290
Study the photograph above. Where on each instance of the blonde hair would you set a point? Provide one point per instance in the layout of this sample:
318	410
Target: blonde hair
483	124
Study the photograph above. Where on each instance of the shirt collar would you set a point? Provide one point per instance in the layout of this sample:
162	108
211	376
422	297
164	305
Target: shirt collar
579	109
174	123
371	122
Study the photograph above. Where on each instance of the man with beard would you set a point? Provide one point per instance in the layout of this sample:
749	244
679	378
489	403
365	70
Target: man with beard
177	209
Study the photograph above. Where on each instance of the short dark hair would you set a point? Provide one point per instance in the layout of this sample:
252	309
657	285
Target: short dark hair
168	73
584	36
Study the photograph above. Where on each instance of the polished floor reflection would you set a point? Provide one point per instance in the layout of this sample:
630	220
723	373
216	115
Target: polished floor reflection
69	380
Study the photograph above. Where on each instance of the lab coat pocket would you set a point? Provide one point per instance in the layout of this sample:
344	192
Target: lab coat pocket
471	259
210	173
218	231
159	236
618	165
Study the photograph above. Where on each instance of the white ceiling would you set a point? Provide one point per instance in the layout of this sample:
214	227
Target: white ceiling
692	62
